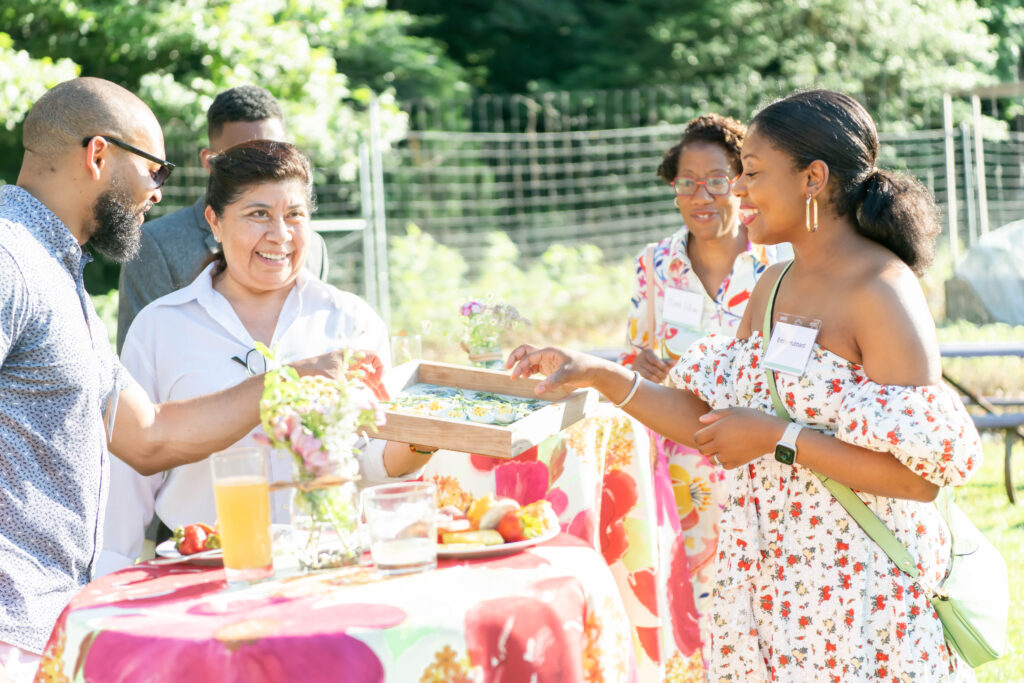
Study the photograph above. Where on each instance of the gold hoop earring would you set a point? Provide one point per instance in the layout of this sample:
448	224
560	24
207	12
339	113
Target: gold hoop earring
811	227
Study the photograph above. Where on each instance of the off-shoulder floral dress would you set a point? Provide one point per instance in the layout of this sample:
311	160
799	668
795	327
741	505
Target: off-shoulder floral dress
802	593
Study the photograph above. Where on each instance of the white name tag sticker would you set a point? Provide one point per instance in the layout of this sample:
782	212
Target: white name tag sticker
683	308
791	344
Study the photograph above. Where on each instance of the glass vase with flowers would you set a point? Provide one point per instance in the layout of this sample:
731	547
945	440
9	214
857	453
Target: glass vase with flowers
483	324
317	421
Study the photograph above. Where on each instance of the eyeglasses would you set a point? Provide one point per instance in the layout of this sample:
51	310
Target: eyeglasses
160	175
716	185
255	363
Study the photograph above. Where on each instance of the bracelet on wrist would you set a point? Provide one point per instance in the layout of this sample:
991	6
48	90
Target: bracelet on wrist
632	390
422	451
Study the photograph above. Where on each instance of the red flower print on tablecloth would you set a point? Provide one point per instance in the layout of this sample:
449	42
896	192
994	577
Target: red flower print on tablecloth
486	463
618	497
335	658
524	482
529	637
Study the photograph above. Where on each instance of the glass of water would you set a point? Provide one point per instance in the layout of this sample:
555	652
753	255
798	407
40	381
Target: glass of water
402	521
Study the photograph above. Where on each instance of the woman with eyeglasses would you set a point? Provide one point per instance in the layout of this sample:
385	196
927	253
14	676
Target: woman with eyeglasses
202	337
692	283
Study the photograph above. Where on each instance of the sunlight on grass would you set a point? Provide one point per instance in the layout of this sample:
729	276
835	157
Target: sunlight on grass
984	500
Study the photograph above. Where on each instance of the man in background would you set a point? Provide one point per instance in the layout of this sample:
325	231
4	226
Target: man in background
176	246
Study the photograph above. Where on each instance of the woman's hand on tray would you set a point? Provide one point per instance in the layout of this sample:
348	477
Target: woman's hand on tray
563	368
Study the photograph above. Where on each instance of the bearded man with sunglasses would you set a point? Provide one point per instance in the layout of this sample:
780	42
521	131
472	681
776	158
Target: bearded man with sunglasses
92	168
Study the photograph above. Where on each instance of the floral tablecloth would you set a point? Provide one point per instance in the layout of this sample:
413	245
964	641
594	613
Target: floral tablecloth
602	478
549	614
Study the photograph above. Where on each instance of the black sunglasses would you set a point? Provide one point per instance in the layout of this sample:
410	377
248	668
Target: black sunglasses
159	176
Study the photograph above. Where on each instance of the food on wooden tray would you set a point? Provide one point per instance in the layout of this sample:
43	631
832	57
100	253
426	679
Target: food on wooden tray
488	517
195	538
482	407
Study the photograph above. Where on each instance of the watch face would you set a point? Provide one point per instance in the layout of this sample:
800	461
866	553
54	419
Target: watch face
785	454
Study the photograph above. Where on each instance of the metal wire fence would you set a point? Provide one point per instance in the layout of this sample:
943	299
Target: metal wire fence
562	181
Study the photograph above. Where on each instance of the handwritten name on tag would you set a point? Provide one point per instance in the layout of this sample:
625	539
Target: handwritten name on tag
791	344
683	308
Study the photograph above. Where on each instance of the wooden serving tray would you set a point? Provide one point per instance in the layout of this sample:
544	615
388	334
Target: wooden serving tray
503	441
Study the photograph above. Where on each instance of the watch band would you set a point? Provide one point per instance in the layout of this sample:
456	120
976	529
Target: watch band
785	448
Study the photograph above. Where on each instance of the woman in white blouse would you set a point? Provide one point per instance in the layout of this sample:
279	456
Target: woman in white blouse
201	338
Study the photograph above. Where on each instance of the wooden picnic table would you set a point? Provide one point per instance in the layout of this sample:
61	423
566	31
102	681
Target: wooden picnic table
999	414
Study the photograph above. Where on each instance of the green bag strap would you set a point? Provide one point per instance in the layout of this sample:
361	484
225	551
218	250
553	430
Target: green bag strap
860	512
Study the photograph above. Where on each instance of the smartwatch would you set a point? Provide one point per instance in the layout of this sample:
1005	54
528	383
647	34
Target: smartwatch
785	448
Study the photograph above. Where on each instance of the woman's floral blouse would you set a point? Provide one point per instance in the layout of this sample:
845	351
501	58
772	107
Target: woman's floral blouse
696	487
672	268
802	593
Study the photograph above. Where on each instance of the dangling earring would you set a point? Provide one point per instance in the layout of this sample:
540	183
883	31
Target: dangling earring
675	201
811	227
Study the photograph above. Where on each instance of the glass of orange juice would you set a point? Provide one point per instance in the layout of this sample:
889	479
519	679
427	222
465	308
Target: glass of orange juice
242	494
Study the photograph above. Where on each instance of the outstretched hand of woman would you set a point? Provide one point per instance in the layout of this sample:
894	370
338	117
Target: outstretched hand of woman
733	437
560	367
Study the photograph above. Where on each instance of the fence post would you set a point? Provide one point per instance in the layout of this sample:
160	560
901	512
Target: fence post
951	203
380	230
979	165
965	139
366	208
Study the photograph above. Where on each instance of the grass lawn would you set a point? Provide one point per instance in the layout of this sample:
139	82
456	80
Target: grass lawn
984	500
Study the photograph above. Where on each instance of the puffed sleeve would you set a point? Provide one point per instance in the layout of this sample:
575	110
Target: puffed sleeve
708	369
927	428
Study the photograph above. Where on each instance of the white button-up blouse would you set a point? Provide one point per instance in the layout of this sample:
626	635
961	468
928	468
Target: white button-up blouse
181	346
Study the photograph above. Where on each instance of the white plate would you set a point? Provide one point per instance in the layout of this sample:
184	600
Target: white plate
207	557
473	552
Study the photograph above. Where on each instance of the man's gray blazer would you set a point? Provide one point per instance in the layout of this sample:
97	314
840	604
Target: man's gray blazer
173	249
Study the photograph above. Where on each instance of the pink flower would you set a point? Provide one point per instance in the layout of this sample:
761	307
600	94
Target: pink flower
304	443
283	425
317	462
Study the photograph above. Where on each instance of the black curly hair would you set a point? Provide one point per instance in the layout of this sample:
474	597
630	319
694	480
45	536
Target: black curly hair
715	129
242	103
891	208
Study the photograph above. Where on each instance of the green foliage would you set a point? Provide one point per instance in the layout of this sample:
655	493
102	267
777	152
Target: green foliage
106	309
26	80
426	283
178	55
878	50
571	294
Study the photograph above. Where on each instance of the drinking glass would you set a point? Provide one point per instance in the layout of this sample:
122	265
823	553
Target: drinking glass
406	347
242	494
402	520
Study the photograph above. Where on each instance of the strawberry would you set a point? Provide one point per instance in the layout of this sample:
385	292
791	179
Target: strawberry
190	539
511	527
195	538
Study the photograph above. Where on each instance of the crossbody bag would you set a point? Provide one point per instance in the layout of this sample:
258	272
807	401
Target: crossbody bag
972	600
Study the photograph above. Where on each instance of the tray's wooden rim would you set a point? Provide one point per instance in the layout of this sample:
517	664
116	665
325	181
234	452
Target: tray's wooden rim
505	440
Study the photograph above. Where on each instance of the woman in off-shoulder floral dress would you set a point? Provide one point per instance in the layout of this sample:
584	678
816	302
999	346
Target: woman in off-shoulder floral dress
793	569
801	592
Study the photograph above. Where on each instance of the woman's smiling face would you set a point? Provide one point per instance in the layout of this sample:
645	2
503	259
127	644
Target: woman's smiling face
707	216
264	235
771	193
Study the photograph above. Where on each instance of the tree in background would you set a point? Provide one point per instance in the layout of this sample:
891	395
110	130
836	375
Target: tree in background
322	60
884	51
